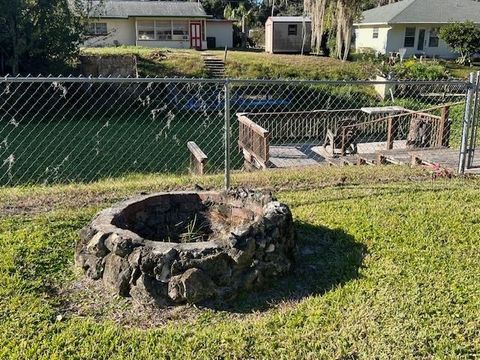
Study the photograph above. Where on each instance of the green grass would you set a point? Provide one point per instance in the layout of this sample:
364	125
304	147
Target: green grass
240	64
461	71
257	65
389	269
260	65
158	62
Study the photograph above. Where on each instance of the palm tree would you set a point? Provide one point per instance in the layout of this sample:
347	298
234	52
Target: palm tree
240	13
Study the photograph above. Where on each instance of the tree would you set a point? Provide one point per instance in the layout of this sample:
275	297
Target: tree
463	38
242	14
334	17
38	35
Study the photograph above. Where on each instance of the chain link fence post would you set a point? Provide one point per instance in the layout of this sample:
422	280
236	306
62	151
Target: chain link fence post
473	135
227	134
466	124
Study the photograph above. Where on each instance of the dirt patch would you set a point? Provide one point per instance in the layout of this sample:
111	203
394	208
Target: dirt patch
87	298
37	204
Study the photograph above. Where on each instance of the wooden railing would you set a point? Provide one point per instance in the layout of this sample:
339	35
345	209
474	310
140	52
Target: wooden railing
424	129
253	140
302	125
350	126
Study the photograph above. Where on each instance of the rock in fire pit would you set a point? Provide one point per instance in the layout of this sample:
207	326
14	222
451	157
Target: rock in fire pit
186	247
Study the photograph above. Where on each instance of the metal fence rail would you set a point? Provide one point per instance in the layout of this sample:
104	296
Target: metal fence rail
65	129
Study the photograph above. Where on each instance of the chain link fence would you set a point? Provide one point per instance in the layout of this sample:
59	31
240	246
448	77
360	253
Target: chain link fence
58	130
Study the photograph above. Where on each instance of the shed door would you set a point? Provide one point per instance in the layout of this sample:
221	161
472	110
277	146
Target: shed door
196	35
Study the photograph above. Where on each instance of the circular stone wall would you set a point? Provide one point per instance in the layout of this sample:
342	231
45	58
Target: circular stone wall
186	247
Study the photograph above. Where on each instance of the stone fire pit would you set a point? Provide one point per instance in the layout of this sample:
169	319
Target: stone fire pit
186	247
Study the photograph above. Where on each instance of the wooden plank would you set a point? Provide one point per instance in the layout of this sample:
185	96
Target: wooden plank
397	160
382	109
198	158
293	156
443	134
368	159
196	151
252	125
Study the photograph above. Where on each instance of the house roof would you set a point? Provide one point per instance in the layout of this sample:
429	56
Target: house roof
289	19
126	9
423	11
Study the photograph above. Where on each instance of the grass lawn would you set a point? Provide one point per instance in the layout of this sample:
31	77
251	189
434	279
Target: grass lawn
158	62
389	268
249	64
240	64
460	71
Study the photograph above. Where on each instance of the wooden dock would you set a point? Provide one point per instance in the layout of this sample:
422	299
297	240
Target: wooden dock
347	137
301	155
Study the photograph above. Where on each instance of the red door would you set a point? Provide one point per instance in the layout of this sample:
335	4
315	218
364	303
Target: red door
196	35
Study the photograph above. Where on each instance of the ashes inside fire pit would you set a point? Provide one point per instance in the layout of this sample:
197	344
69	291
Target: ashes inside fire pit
178	247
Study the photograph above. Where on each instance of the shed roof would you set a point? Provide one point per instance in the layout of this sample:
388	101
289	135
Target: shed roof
126	9
289	19
423	11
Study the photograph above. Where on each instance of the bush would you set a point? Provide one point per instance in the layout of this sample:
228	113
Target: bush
413	69
257	36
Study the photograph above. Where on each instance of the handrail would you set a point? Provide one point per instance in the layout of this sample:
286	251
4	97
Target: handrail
254	140
407	112
441	139
252	125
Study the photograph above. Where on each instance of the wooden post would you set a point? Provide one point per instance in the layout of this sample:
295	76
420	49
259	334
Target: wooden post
198	159
443	134
415	160
342	148
390	133
380	159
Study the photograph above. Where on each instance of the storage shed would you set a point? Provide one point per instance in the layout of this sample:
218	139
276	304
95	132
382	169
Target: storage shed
288	34
219	33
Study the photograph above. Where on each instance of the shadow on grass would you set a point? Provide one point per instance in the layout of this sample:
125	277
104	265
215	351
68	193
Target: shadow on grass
326	258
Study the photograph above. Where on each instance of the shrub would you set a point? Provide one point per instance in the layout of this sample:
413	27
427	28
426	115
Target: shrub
257	36
413	69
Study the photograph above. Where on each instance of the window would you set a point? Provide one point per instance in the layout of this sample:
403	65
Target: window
375	33
292	30
97	29
433	39
180	30
163	29
409	37
146	30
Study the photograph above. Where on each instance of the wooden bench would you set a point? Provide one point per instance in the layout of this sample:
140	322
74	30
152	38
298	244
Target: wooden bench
198	159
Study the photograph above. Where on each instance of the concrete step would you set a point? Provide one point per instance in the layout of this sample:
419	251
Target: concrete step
214	66
213	62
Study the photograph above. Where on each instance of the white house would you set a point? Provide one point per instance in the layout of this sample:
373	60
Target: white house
166	24
412	25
